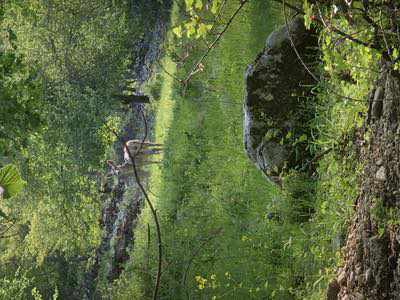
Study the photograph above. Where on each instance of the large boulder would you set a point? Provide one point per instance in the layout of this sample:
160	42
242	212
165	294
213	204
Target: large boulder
276	106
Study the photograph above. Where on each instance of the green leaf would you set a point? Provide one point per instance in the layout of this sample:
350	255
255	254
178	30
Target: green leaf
202	30
381	231
199	4
302	138
177	31
215	6
11	181
190	28
189	4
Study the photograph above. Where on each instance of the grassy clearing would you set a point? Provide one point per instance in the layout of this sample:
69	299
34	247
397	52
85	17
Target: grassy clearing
212	200
217	241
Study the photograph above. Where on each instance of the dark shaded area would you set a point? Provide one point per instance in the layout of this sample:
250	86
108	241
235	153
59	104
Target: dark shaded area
133	99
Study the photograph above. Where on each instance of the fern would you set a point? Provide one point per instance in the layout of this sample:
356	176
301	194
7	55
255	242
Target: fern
11	181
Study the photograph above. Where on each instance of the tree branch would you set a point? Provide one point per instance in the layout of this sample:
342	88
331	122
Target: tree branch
212	45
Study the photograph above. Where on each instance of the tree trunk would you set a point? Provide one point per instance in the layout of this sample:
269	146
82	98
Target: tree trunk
371	269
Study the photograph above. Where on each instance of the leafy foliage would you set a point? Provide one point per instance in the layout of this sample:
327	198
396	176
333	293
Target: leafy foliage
11	181
199	11
60	62
14	287
20	95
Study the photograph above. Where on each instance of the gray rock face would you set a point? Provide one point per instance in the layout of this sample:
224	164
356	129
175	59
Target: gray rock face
275	111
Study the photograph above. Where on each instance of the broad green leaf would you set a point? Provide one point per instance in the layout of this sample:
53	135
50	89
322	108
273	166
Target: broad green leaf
202	30
302	138
11	181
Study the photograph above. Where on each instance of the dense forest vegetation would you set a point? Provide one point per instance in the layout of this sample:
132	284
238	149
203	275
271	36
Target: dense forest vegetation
190	215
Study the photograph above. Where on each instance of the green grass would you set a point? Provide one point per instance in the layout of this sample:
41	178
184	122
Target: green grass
212	201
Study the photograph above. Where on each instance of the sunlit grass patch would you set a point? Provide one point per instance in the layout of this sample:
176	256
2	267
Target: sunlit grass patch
163	117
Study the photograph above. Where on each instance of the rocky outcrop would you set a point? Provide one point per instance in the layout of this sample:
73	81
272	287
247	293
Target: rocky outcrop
275	110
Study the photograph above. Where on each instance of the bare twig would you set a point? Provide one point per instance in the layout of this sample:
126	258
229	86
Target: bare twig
212	45
218	16
7	229
295	8
294	46
388	50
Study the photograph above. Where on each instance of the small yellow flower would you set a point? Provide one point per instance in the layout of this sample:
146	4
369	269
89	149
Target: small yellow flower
213	277
201	282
